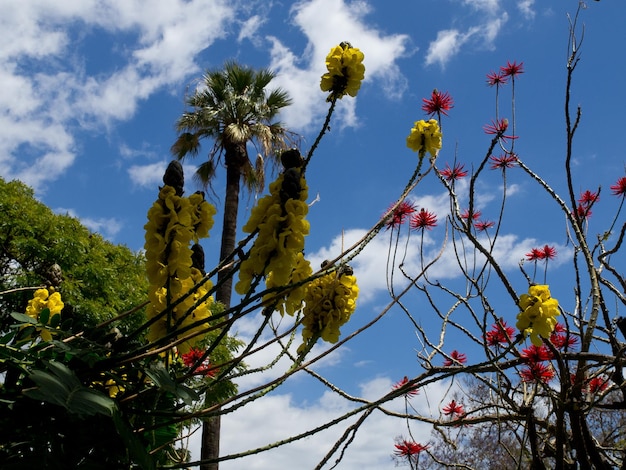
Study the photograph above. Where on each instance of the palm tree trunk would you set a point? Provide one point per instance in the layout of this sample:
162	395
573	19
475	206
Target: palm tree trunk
235	156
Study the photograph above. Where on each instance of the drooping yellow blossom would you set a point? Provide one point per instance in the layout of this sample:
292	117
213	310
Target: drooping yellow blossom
425	137
538	316
280	220
42	299
174	222
183	315
345	71
329	302
293	299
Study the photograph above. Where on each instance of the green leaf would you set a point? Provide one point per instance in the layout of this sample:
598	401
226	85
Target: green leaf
161	377
60	386
55	320
44	316
23	318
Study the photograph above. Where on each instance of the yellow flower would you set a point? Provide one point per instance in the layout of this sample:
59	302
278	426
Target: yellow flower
345	71
538	316
282	227
425	137
42	299
329	302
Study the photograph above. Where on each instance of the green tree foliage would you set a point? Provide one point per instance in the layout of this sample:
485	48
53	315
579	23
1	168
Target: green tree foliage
100	279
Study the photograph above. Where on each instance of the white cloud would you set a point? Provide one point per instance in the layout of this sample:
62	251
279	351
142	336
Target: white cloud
47	91
326	23
107	227
445	46
490	20
526	7
146	176
280	416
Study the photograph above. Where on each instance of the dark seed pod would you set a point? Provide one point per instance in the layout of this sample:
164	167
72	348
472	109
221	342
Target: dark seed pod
197	258
346	270
54	276
291	158
291	185
174	177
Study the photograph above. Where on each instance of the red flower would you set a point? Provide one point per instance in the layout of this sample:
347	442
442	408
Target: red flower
499	127
483	225
537	372
583	211
619	188
535	254
534	354
549	252
512	69
560	337
423	220
193	358
597	384
453	173
588	198
455	359
400	213
495	78
508	160
475	215
500	333
411	390
453	408
438	103
408	449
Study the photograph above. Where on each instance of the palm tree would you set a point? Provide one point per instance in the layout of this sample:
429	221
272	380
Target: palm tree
234	109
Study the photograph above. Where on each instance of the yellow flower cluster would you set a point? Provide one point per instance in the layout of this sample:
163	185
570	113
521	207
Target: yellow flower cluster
42	299
345	71
538	315
174	222
329	302
277	250
425	137
181	316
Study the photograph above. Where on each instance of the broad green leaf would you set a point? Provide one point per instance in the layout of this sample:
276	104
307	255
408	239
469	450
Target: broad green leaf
44	316
23	318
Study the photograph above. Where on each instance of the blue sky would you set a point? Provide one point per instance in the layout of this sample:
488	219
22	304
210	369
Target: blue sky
92	89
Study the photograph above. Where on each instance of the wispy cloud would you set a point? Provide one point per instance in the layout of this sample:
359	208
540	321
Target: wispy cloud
480	31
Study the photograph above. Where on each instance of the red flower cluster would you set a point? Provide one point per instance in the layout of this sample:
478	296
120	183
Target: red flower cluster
423	220
561	338
512	69
193	358
455	359
483	225
508	160
598	384
619	188
438	103
585	201
400	214
411	390
453	408
537	372
496	78
535	354
509	70
475	215
499	127
500	333
547	252
454	173
405	448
